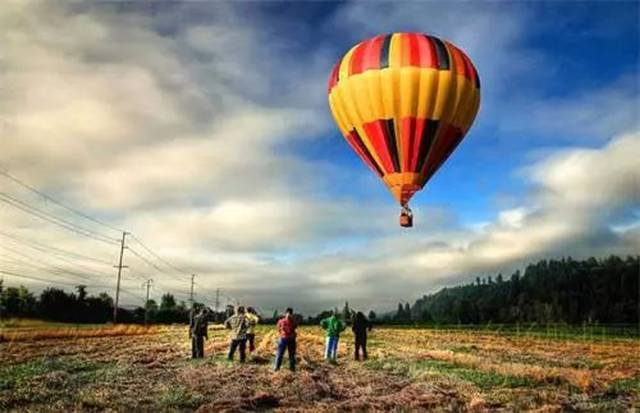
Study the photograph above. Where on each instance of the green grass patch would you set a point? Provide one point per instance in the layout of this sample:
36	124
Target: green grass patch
21	374
181	398
483	379
465	349
630	385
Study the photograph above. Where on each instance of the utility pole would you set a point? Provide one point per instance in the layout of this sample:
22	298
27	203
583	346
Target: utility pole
1	295
146	304
193	277
119	267
191	309
217	303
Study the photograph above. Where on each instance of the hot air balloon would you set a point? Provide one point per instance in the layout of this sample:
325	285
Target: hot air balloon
404	101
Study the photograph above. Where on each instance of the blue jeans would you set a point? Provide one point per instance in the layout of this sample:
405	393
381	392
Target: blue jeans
331	349
290	345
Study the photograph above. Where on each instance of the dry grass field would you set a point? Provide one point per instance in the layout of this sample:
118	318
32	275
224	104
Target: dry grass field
131	368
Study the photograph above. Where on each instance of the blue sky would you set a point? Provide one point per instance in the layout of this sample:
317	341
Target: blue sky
203	127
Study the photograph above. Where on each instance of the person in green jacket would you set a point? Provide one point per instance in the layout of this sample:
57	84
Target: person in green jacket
334	326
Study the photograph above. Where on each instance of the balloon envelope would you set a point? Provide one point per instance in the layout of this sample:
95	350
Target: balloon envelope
404	101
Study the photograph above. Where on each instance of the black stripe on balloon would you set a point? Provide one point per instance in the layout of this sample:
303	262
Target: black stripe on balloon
384	51
426	141
390	136
477	78
441	52
358	141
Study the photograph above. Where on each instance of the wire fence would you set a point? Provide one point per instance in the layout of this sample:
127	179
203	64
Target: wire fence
560	331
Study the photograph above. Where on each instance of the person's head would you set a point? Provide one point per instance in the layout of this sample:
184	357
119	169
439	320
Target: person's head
204	311
288	312
360	316
251	310
240	310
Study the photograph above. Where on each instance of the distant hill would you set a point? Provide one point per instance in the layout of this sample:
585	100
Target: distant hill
569	291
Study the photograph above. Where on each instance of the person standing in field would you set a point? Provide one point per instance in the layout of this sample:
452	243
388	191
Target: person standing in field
253	319
287	340
238	324
334	326
361	326
198	332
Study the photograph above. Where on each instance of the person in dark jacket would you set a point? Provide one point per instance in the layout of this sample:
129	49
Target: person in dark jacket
361	326
198	332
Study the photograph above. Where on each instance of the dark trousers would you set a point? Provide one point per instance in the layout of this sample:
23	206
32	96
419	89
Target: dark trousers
288	344
240	345
361	343
197	347
251	338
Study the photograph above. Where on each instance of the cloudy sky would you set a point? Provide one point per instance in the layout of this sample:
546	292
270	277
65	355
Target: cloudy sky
203	129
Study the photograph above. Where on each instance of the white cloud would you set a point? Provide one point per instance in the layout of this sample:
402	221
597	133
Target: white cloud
181	136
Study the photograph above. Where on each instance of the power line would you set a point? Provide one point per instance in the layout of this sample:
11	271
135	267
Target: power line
50	215
56	251
4	172
146	261
59	253
44	280
58	258
167	263
50	270
23	206
135	274
48	281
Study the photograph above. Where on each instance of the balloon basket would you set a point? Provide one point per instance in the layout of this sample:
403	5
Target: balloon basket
406	220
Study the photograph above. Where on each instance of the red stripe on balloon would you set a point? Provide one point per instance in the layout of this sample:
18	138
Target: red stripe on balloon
371	57
333	79
426	51
377	132
357	58
355	141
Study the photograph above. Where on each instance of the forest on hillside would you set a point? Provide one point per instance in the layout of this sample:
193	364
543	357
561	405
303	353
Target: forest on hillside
549	291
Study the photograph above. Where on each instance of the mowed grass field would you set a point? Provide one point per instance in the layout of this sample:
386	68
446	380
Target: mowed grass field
45	367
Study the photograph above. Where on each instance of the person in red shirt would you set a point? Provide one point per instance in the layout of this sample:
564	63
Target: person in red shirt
287	340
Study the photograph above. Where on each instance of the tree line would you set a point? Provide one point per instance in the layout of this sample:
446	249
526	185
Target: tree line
55	304
549	291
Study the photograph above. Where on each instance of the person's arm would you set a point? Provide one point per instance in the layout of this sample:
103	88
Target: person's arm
227	323
206	330
323	323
